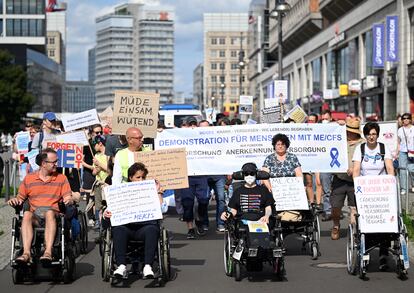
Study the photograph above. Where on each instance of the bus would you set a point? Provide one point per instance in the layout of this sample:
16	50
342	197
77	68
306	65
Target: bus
173	115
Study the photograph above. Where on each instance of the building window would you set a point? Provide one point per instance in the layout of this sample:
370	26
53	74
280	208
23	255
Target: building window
213	53
233	53
213	66
213	78
222	41
214	41
234	78
316	75
1	27
51	41
222	66
222	79
234	66
51	53
222	53
234	41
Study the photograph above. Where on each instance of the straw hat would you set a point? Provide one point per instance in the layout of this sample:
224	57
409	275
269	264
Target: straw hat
353	125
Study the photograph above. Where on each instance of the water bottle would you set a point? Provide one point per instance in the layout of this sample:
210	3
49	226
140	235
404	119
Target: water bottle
404	252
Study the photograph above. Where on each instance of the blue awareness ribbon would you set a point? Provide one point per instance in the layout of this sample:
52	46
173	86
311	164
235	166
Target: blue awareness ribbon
334	156
359	189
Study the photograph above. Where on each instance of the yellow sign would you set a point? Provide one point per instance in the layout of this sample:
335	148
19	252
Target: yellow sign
343	90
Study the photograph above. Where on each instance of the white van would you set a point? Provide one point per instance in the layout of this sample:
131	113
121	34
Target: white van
173	115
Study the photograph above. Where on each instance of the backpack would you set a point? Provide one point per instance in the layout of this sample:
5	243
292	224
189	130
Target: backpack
382	152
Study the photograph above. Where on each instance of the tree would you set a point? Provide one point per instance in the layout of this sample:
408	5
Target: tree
15	101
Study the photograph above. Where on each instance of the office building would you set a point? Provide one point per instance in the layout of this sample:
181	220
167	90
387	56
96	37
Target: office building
91	65
198	81
79	96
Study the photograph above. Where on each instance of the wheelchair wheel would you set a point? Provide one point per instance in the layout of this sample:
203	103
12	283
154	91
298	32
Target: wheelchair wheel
68	271
279	266
314	251
362	270
17	276
228	259
237	271
351	251
83	232
165	257
106	262
401	268
316	233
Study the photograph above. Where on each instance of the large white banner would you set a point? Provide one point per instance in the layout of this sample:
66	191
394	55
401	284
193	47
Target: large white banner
224	149
133	202
376	198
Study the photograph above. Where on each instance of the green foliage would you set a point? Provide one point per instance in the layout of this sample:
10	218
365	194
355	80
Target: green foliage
408	221
15	102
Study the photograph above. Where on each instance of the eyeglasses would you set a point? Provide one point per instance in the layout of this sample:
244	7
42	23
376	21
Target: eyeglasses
136	137
406	118
249	173
372	134
52	162
98	132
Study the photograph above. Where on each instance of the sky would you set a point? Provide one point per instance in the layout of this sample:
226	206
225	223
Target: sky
81	33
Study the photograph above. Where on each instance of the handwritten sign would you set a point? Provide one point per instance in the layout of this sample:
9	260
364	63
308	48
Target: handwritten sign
289	193
169	166
31	156
271	114
296	114
80	120
77	137
376	198
22	142
69	155
135	109
133	202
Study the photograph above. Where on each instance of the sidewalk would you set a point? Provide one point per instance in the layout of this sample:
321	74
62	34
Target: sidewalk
6	216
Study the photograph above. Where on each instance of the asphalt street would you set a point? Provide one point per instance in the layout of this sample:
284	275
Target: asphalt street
198	267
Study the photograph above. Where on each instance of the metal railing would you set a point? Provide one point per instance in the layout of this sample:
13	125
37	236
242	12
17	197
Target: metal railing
10	178
408	205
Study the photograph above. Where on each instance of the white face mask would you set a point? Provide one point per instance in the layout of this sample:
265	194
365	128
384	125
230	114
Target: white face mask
250	179
325	121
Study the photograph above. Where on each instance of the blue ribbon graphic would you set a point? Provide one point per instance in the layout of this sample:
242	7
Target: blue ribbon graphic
359	189
334	156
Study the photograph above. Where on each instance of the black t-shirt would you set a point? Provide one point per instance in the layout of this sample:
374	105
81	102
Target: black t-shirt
113	145
250	203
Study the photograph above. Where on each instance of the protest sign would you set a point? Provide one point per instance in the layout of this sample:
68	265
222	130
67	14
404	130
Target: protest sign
106	117
376	198
271	115
77	137
388	135
168	166
22	142
257	227
135	109
224	149
69	155
281	91
246	105
251	121
211	115
133	202
289	193
31	157
80	120
271	102
296	114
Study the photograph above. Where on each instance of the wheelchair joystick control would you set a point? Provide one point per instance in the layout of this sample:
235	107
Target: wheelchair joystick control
62	207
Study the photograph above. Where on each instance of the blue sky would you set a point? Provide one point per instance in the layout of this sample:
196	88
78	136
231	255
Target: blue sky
81	16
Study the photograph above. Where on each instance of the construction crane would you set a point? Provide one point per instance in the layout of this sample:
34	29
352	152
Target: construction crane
52	6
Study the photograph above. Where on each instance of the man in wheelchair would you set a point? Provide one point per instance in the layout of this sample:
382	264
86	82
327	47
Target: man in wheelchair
43	191
148	231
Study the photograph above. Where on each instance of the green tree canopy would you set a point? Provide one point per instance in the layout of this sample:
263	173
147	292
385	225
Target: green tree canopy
15	101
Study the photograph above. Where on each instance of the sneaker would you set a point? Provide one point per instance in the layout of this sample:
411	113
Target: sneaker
121	271
326	218
383	266
91	223
205	228
335	233
147	272
200	230
191	234
403	192
220	228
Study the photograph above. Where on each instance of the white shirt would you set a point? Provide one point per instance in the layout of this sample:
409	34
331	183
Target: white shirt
409	133
117	174
372	163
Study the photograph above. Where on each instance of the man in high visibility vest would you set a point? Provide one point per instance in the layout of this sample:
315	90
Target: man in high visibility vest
125	158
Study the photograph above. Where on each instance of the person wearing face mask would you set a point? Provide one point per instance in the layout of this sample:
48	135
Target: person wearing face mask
250	201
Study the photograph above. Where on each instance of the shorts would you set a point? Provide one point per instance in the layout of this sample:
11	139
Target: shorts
340	190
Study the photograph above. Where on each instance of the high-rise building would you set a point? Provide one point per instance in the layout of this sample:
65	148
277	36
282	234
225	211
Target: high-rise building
23	34
54	46
225	43
134	51
198	81
79	96
91	65
56	35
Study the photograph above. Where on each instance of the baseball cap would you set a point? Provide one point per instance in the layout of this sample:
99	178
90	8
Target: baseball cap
49	116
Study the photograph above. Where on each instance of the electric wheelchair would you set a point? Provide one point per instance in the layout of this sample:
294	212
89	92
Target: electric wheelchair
134	256
361	242
69	242
250	249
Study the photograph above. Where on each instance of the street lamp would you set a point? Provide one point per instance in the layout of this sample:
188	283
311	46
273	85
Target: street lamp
278	13
222	86
241	64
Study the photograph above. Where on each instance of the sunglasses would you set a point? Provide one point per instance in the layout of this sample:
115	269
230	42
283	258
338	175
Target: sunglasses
249	173
98	132
406	118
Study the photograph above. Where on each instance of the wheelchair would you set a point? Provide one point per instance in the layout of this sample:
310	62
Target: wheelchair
61	269
360	243
134	256
244	248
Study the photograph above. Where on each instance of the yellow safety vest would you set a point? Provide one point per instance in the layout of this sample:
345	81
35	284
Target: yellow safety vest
124	162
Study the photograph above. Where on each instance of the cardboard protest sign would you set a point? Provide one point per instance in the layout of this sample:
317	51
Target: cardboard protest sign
133	202
70	155
22	142
296	114
376	198
77	137
106	117
80	120
271	115
135	109
289	193
246	105
168	166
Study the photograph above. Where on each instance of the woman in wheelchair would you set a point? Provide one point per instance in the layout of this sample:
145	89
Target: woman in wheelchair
251	201
148	231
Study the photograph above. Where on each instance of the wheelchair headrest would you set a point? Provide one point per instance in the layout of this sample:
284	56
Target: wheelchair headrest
260	175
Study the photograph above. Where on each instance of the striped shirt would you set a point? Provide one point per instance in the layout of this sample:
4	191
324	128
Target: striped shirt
44	193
